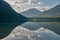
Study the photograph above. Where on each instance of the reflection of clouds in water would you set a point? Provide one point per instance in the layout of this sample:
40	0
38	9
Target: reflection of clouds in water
20	33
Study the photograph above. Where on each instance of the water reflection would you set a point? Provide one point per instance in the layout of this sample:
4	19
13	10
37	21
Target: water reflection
54	26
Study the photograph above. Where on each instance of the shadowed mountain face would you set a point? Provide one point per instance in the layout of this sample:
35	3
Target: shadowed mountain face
9	19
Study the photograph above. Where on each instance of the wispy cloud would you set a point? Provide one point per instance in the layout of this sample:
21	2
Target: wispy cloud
39	3
41	8
30	1
23	5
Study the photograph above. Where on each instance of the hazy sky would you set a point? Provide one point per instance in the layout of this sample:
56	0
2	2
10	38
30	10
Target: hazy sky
20	5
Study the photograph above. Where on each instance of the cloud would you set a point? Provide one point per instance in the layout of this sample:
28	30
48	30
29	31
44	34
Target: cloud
40	3
30	1
23	5
43	8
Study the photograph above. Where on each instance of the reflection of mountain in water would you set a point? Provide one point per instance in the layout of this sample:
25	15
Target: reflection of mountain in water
21	33
54	26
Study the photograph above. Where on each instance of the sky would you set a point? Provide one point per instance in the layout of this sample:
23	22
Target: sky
23	5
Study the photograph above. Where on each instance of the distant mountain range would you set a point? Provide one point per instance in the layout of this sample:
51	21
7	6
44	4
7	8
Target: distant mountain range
32	13
54	12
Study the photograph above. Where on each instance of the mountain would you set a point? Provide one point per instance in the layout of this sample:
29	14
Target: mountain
54	12
9	19
31	13
20	33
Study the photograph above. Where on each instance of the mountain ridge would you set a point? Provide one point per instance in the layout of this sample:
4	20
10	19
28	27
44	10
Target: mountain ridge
32	13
